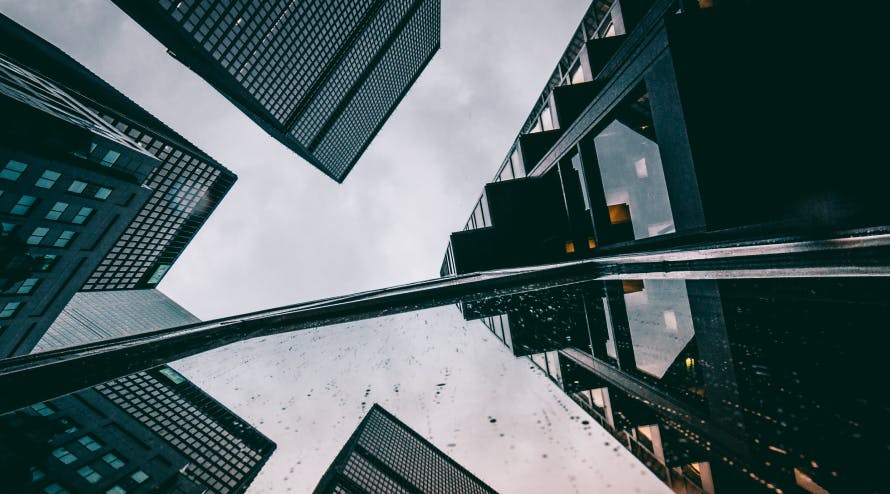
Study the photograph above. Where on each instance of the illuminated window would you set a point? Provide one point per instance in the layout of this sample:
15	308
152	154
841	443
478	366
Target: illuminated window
591	243
89	443
45	262
37	236
64	455
13	170
9	309
64	238
113	461
89	474
139	476
27	286
110	158
43	409
82	216
48	179
77	186
570	247
57	210
22	207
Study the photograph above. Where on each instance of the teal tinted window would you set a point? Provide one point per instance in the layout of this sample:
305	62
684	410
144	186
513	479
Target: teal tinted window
102	193
24	204
77	186
9	309
13	170
37	236
48	179
82	216
57	210
110	158
64	238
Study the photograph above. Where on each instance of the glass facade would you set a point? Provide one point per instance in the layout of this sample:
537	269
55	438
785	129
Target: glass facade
93	316
385	455
321	76
631	170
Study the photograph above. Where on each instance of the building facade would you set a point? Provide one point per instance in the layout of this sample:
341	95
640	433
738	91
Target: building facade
95	316
715	387
322	77
152	431
385	455
173	192
70	184
643	139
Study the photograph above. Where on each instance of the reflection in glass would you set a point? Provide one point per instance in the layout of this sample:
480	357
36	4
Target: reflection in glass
660	324
631	170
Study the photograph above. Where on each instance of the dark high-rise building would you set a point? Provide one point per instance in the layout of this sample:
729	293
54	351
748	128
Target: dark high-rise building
94	316
166	189
385	455
186	186
320	76
152	431
69	187
642	140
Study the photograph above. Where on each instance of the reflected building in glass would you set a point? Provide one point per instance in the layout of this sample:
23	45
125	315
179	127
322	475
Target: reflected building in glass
712	384
109	212
320	76
647	138
152	431
385	455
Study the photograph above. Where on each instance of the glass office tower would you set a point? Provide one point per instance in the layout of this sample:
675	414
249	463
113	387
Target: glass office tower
320	76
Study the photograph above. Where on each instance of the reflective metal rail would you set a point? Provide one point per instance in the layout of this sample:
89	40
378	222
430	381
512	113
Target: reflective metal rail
28	379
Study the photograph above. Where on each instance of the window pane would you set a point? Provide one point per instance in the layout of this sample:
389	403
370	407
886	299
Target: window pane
77	186
103	193
630	166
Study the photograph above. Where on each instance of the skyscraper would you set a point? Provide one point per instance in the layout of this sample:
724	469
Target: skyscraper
320	76
93	316
69	187
180	188
385	455
152	431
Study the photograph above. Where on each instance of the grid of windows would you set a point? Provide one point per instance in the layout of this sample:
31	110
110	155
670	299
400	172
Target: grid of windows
186	188
360	471
223	452
417	461
348	71
348	136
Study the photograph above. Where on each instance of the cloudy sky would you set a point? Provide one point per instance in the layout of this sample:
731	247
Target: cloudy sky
286	233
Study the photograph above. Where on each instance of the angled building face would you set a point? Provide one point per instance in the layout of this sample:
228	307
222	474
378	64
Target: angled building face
320	76
95	316
69	186
153	431
186	186
385	455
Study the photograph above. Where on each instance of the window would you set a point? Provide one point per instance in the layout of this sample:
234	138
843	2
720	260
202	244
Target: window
9	309
13	170
64	238
36	474
89	474
27	286
518	172
37	236
116	490
113	461
89	443
577	74
43	409
110	158
48	179
56	212
546	119
77	186
102	193
70	425
22	207
82	216
64	455
45	262
139	476
631	171
55	488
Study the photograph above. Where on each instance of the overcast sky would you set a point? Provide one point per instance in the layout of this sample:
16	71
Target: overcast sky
286	233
